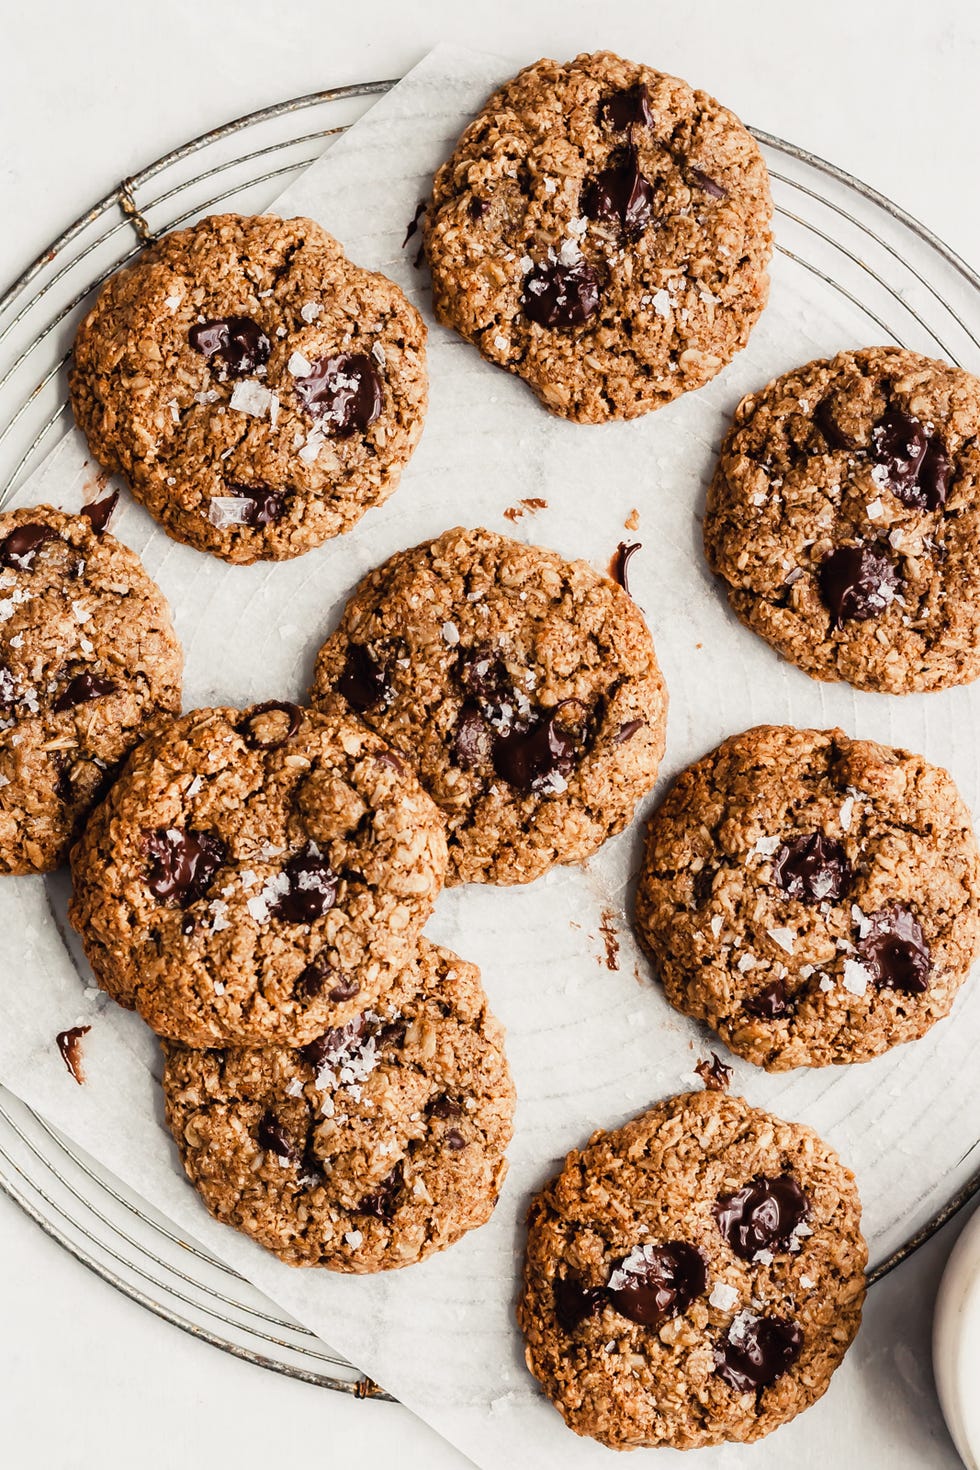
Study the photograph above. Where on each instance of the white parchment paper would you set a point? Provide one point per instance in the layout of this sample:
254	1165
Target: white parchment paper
590	1042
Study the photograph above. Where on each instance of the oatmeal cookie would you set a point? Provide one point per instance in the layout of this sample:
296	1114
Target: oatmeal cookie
693	1277
256	876
258	391
815	899
373	1146
603	231
844	516
524	689
88	660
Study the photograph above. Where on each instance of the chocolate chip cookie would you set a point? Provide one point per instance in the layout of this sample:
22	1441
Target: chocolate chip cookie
258	391
88	659
256	876
603	231
524	689
693	1277
844	516
376	1144
815	899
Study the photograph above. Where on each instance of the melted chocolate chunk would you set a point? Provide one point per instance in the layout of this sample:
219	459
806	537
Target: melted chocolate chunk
557	295
762	1215
914	460
574	1301
619	567
413	223
335	1044
252	737
715	1074
757	1351
342	393
238	340
655	1282
263	506
895	951
99	512
934	476
708	184
621	194
312	888
70	1046
82	690
444	1107
812	868
478	208
182	864
363	682
528	758
857	582
455	1140
309	983
473	741
485	675
627	731
770	1004
823	417
19	549
345	989
381	1201
626	108
273	1137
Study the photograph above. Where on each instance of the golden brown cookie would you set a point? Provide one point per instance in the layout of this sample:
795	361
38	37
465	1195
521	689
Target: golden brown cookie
373	1146
693	1277
523	688
844	517
603	231
256	876
258	390
815	899
88	660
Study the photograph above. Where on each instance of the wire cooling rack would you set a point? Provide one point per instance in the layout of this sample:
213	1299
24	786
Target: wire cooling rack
909	285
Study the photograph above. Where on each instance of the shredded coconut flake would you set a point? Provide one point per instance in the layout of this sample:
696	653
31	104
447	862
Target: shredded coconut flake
846	812
172	302
194	787
807	1283
717	923
310	310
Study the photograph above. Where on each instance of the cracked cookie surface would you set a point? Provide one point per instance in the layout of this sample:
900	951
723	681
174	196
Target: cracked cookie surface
257	389
693	1277
815	899
370	1148
88	660
603	231
523	688
844	517
256	876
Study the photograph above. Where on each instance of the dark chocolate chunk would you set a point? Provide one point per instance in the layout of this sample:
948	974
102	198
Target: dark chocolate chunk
621	194
263	506
557	295
528	758
619	566
708	184
343	393
335	1045
857	582
455	1140
757	1351
485	675
574	1301
238	340
273	1137
477	208
762	1215
770	1004
473	741
82	690
363	682
934	476
627	731
715	1074
272	741
345	989
312	888
19	549
381	1201
182	864
444	1107
622	109
99	512
70	1046
823	417
894	949
655	1282
914	459
812	868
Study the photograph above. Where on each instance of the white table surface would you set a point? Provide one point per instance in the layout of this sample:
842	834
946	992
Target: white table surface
89	92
